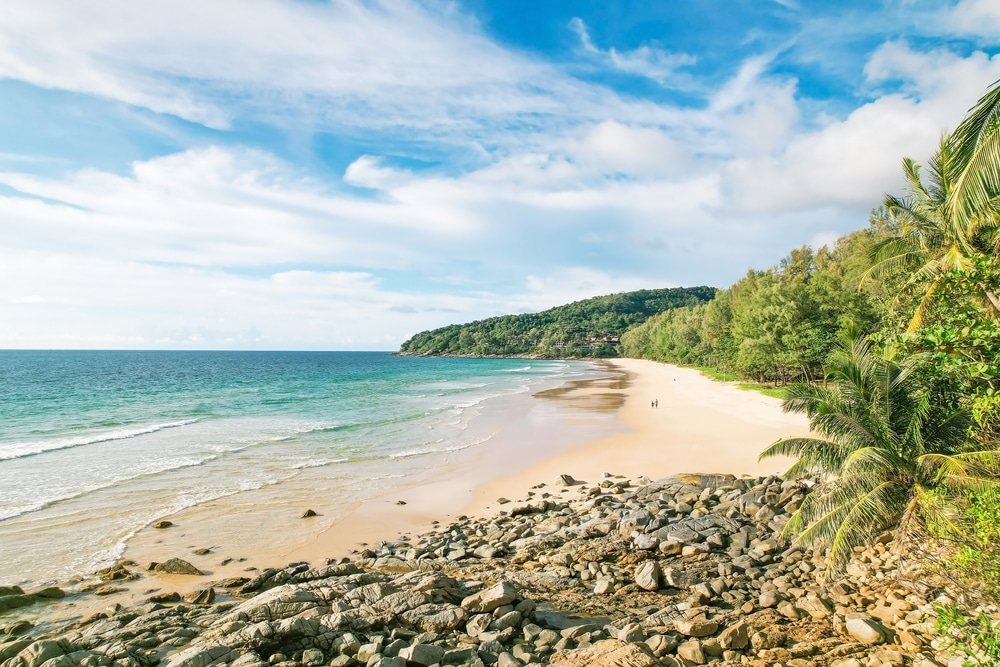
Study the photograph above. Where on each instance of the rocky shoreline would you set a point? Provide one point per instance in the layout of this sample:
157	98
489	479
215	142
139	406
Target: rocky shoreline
687	570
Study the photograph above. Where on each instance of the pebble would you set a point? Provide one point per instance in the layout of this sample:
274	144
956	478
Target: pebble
685	570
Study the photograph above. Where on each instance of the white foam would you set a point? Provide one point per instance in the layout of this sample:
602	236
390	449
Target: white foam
17	450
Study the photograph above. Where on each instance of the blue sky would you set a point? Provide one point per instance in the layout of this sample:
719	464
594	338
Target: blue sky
304	174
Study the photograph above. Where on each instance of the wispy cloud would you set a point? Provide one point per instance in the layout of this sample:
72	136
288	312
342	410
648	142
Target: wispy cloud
647	61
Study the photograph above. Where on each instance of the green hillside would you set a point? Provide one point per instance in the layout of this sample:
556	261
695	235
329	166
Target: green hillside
588	328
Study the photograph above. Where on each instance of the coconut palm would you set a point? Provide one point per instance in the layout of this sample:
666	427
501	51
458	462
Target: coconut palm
880	448
972	198
930	238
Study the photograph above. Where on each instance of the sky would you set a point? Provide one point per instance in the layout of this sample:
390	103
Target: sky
339	175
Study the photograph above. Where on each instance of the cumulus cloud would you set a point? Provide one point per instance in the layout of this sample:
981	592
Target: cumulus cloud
851	162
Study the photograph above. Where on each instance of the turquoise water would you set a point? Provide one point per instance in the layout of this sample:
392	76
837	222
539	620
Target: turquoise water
96	445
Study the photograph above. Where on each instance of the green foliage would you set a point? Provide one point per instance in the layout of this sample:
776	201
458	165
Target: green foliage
588	328
967	526
777	325
883	447
975	637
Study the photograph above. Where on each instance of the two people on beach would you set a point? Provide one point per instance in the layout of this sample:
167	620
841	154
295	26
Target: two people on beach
655	403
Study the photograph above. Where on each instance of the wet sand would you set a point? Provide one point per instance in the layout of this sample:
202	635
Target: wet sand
584	429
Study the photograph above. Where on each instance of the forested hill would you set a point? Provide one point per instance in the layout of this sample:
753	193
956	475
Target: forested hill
588	328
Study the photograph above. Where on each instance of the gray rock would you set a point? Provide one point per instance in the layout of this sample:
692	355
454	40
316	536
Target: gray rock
177	566
40	651
436	617
647	576
490	598
423	654
313	657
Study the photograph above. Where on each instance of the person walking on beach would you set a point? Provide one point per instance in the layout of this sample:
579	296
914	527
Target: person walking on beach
656	403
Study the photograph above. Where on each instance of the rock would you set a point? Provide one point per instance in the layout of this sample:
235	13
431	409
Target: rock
160	525
173	596
436	617
865	630
508	660
564	480
478	624
632	634
422	654
735	637
108	590
691	652
309	513
204	596
647	576
489	599
678	578
695	627
767	638
814	605
50	593
177	566
606	653
313	657
769	599
604	586
40	651
847	662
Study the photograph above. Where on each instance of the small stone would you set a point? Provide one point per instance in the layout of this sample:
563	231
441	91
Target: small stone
400	502
108	590
564	480
160	525
308	513
202	552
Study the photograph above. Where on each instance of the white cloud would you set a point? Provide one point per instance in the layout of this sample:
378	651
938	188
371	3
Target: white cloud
646	61
973	17
391	66
849	163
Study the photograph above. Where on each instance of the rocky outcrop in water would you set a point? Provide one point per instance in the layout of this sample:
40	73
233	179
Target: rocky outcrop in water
688	570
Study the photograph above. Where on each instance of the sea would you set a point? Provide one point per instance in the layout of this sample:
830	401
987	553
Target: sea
97	445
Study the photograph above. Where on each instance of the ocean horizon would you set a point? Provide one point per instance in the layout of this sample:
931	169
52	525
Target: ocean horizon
95	445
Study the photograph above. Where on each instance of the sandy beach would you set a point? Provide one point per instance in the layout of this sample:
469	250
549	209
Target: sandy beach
581	429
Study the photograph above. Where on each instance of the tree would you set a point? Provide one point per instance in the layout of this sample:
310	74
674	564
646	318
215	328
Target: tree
882	448
930	237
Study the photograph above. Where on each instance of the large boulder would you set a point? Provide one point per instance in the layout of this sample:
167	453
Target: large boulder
489	599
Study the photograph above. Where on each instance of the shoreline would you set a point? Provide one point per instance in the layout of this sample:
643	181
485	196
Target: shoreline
589	428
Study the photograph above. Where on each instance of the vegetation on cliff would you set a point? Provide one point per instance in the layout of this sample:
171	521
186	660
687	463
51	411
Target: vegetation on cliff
588	328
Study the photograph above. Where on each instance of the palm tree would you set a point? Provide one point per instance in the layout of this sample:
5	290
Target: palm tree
931	238
882	451
972	201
